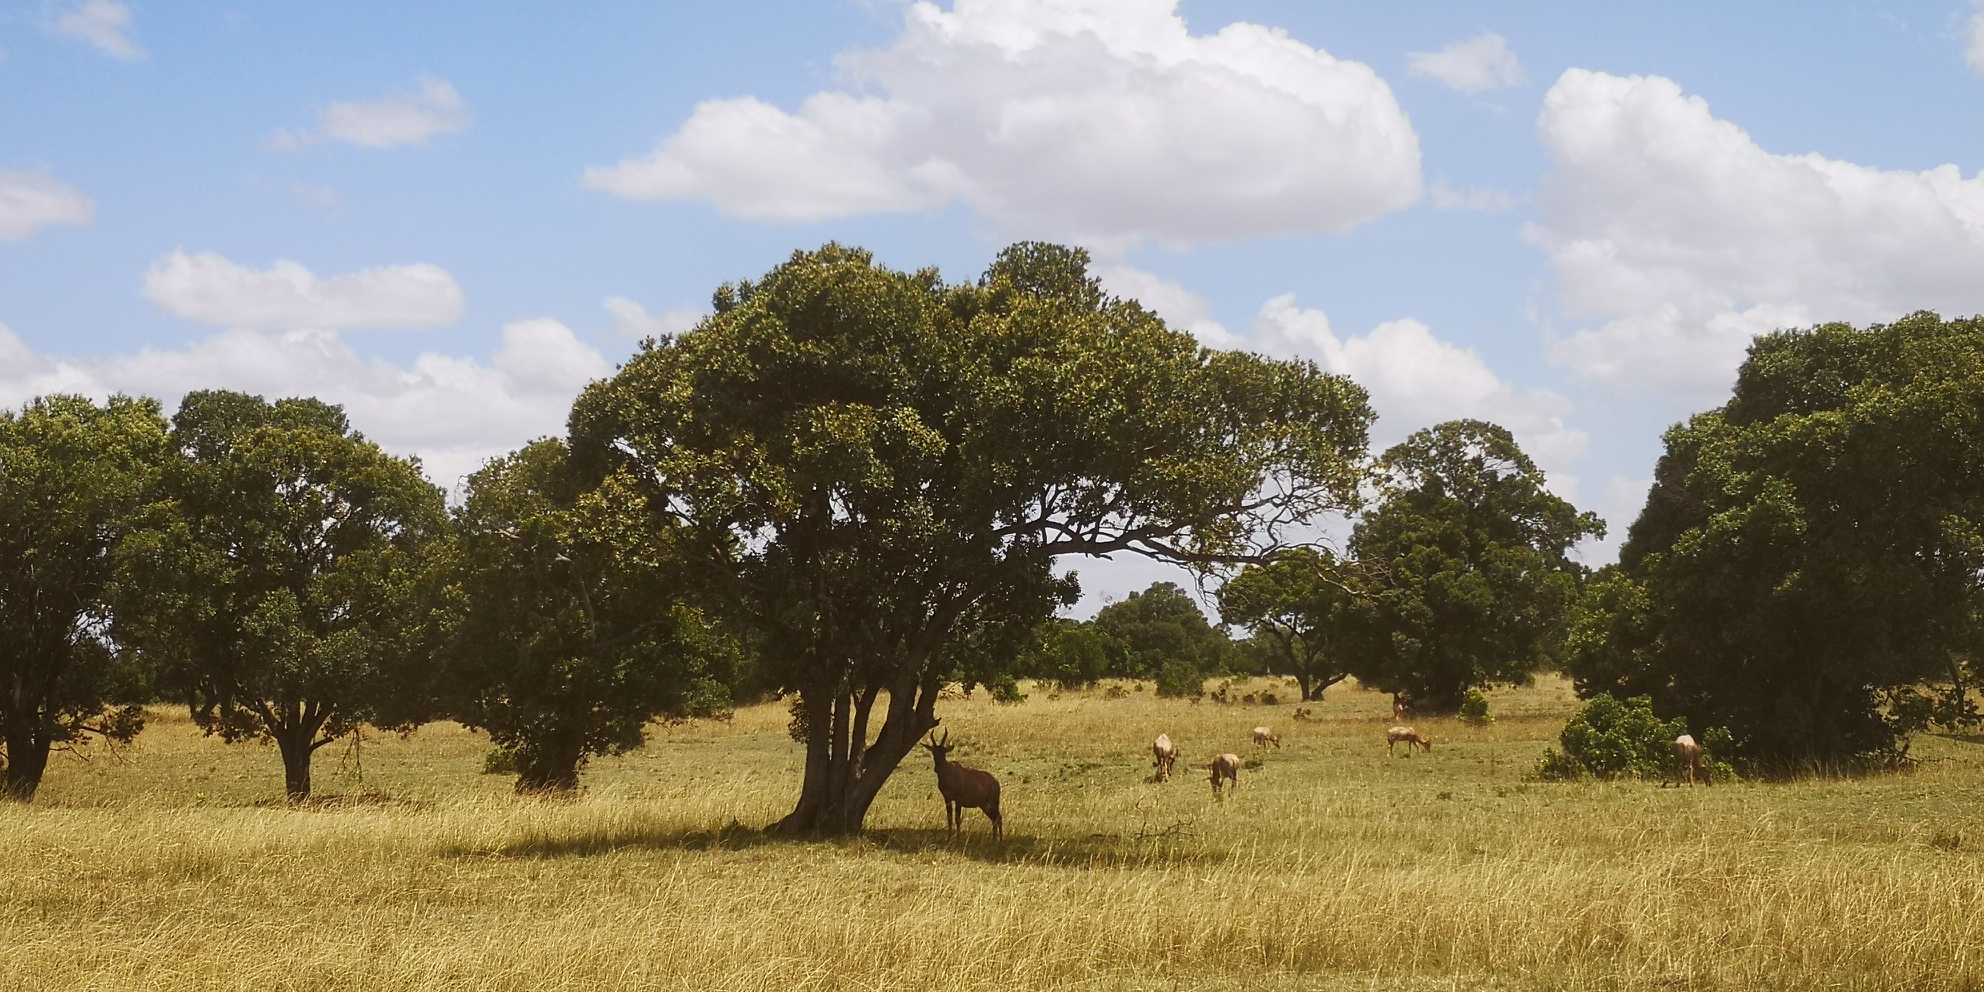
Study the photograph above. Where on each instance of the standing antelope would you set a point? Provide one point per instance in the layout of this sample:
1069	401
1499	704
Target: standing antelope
1263	737
1689	754
1225	766
964	788
1166	754
1399	709
1411	738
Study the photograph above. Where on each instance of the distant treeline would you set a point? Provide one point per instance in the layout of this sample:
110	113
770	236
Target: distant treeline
853	487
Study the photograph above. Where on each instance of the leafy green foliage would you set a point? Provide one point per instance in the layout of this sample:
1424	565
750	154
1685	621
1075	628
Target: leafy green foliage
1299	608
275	590
1474	708
1610	739
1180	679
1809	566
1160	627
889	465
570	627
74	479
1465	573
1067	652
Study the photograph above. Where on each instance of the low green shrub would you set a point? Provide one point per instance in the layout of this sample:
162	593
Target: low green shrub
1609	739
499	761
1474	708
1180	680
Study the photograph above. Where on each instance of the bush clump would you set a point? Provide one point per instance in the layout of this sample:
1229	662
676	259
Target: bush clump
1474	708
1609	739
1005	689
499	761
1180	680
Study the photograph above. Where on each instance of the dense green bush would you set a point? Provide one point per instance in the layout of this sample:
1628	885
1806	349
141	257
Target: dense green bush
1474	708
1180	679
1609	739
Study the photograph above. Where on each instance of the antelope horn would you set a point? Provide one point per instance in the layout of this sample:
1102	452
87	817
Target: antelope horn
947	738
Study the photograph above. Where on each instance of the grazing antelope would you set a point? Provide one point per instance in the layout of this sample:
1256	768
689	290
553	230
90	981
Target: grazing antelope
1689	754
1166	754
1225	766
1411	738
1263	737
964	788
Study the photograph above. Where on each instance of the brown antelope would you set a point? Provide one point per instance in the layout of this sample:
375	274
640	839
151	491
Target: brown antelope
1166	754
1411	738
1225	766
964	788
1689	755
1263	737
1400	711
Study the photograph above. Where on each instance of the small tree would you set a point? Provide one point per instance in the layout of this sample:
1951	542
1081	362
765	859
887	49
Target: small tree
1468	562
572	627
74	479
1161	626
276	594
1299	609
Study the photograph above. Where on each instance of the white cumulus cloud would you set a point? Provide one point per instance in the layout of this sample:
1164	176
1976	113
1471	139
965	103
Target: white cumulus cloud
1683	239
1476	65
212	290
1417	380
451	412
399	119
102	23
31	200
632	320
1100	121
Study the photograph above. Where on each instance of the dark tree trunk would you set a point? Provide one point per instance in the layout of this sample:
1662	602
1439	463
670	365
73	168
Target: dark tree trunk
552	768
27	757
295	728
296	753
843	772
1302	679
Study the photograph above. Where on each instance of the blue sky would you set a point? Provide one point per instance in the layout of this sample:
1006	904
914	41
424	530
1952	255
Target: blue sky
1567	218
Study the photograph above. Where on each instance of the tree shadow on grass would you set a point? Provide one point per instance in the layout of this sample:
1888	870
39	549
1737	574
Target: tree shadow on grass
1098	850
1093	851
616	837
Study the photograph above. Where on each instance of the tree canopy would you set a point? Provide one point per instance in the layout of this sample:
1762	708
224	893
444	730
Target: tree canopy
75	477
572	625
275	593
892	464
1809	566
1466	565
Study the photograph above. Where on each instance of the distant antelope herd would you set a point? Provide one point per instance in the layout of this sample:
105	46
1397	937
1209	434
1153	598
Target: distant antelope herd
968	788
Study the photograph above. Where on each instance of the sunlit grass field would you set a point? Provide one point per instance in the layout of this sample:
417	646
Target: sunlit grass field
171	864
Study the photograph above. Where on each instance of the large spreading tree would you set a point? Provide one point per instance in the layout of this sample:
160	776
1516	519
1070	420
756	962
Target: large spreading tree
572	624
1809	567
277	596
892	465
1465	566
75	477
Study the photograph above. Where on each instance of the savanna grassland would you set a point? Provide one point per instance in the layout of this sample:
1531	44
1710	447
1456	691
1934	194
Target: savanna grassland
168	865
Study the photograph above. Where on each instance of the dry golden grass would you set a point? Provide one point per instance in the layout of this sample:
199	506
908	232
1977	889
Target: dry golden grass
167	866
